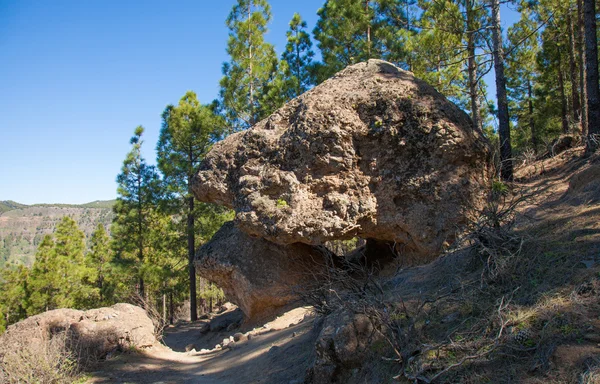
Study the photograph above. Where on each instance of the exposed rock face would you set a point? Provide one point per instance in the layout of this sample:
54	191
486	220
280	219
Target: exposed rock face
100	331
258	275
343	345
372	152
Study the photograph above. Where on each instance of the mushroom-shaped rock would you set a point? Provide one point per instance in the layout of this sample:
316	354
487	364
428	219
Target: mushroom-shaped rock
372	152
258	275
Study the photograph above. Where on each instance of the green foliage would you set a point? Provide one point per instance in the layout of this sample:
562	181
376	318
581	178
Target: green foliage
15	295
351	31
252	65
138	193
59	277
298	56
99	263
188	131
9	205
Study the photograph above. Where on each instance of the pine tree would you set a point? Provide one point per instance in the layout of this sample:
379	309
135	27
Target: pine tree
522	74
14	301
42	281
70	270
137	195
343	33
298	55
351	31
439	54
98	260
252	64
506	161
187	133
591	71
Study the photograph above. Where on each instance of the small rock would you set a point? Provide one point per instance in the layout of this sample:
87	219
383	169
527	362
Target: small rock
204	350
593	337
231	346
294	334
218	346
240	337
189	347
225	342
274	349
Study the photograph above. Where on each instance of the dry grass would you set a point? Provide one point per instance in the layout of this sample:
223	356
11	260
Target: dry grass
49	359
54	354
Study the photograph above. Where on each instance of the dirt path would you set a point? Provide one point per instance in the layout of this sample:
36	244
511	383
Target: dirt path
279	352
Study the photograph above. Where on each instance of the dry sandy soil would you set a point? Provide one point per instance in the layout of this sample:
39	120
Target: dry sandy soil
278	352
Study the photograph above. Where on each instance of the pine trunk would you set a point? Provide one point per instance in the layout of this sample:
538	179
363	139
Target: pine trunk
171	308
582	75
534	139
164	308
506	162
573	68
472	68
191	249
563	99
368	31
251	95
591	69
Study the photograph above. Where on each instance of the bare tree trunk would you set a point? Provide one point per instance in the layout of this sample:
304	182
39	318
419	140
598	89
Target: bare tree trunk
472	68
171	308
164	307
506	161
191	251
250	69
582	75
591	69
563	98
534	139
368	31
573	69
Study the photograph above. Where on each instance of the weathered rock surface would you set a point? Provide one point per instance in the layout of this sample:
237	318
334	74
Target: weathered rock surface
372	152
259	276
342	346
100	331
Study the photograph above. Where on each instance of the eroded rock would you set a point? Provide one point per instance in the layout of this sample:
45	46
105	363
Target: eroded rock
342	346
258	275
97	331
372	152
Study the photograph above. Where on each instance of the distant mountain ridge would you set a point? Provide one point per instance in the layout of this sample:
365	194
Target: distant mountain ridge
22	226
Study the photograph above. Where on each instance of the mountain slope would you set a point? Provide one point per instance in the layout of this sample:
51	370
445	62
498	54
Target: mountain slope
22	227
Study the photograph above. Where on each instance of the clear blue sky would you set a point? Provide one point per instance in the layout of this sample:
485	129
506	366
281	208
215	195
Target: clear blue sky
76	78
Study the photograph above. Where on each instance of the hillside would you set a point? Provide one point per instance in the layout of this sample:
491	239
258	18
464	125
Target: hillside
22	227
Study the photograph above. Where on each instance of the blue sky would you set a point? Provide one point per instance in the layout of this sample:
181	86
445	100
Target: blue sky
76	78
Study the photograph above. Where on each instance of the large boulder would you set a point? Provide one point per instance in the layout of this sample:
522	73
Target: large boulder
372	152
89	334
256	274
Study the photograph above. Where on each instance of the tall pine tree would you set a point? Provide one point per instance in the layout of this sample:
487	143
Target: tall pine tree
251	67
137	195
298	55
187	133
